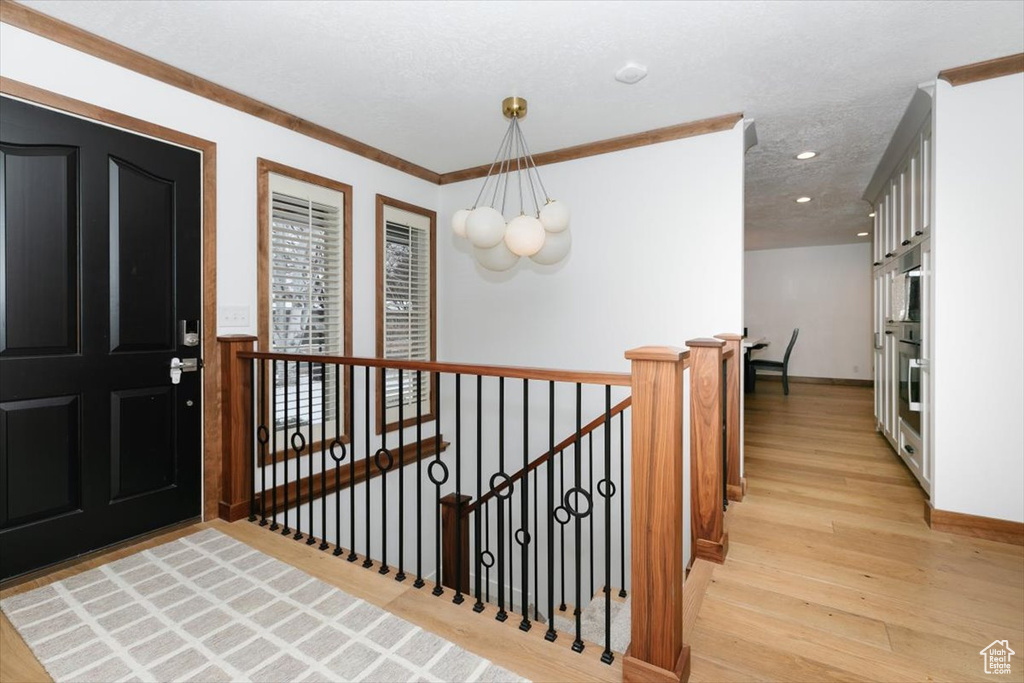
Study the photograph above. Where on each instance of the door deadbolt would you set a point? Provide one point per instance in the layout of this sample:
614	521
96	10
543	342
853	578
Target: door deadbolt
189	332
179	366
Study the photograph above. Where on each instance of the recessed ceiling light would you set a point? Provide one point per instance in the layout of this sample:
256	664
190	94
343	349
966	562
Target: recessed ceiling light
862	234
871	215
806	155
802	200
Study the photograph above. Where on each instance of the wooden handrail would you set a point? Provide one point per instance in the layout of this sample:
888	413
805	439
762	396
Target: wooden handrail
615	379
565	443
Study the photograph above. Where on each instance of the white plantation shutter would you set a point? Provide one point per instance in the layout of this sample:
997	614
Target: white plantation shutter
306	291
407	320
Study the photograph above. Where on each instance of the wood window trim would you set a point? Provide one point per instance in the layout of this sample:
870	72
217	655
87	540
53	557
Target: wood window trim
264	167
382	202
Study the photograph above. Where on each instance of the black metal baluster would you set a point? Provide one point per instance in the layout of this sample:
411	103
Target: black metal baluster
577	645
383	450
352	464
418	583
297	448
622	502
458	599
337	463
607	657
324	545
400	576
285	531
252	443
264	436
367	562
524	514
590	487
511	560
310	539
562	525
273	448
551	634
479	605
502	615
487	543
533	540
437	481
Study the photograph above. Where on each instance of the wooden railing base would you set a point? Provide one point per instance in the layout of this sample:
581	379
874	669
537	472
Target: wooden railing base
712	551
735	493
638	671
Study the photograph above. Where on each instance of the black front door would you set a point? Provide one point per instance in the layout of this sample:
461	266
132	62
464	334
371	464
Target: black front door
99	263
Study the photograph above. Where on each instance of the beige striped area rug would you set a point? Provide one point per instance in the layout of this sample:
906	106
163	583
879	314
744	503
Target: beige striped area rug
209	608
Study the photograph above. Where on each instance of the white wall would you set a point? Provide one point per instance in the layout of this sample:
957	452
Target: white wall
978	241
826	292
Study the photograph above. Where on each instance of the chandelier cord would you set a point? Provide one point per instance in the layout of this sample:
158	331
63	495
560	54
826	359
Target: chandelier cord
503	155
488	176
519	164
529	156
508	170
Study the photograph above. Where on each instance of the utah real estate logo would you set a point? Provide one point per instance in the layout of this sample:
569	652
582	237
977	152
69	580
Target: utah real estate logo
997	657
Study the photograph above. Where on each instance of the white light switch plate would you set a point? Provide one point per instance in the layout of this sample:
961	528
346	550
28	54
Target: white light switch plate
233	316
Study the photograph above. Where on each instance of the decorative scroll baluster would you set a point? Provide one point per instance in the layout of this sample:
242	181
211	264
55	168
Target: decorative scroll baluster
502	615
551	633
562	522
574	509
337	443
324	545
352	463
273	447
590	487
400	576
418	583
379	462
477	551
523	533
437	464
367	562
251	442
607	657
298	445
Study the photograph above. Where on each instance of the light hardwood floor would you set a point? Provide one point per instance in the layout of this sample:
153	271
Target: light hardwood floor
832	572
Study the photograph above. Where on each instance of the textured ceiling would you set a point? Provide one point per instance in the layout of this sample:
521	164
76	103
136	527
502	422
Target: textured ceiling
424	80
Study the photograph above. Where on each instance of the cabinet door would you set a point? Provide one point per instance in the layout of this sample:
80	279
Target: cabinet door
927	385
879	359
907	204
916	191
895	215
878	238
891	389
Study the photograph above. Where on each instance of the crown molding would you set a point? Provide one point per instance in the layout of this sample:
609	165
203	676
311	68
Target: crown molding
33	21
982	71
649	137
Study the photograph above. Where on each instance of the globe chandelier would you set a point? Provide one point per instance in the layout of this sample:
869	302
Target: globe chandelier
540	232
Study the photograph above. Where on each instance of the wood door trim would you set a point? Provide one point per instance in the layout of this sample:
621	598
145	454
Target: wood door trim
383	201
982	71
1002	530
589	149
211	355
79	39
264	167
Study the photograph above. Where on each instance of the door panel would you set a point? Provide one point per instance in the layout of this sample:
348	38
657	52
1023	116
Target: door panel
141	258
39	458
98	445
142	441
39	226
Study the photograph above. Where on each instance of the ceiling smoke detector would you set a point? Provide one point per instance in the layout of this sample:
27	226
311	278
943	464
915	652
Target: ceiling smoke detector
631	73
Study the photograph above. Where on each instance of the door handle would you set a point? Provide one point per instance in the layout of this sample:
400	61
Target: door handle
179	366
913	364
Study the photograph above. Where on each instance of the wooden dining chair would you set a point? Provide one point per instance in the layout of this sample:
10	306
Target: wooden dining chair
775	365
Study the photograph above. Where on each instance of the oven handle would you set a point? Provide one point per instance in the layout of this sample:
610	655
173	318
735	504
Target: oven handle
913	364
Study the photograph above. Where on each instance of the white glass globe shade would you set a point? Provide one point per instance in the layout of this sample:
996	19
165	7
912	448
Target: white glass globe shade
556	247
497	258
554	216
524	236
459	222
485	227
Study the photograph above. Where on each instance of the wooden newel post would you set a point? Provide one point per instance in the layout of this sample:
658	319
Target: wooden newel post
733	392
710	542
454	541
236	428
656	651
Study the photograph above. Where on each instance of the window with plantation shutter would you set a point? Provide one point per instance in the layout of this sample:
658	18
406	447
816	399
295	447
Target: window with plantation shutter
304	274
406	307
